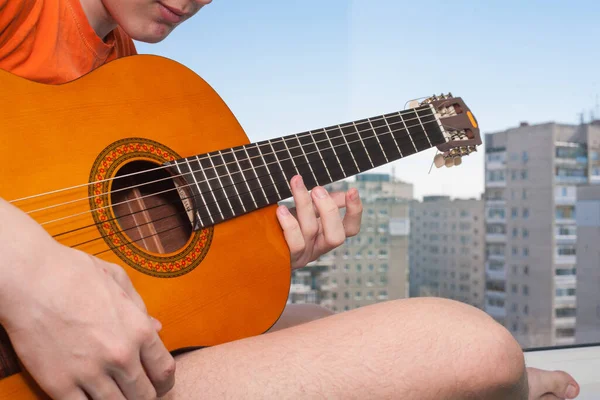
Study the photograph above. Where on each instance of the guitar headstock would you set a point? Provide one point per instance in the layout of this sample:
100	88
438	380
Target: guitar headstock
460	129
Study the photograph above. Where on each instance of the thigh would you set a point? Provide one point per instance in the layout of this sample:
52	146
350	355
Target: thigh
411	349
296	314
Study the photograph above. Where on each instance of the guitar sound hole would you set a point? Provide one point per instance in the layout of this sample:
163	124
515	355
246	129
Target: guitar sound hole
149	209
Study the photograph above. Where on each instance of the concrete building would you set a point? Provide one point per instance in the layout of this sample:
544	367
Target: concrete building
372	266
587	328
447	249
531	178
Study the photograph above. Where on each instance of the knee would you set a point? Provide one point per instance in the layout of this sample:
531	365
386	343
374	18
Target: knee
485	358
494	361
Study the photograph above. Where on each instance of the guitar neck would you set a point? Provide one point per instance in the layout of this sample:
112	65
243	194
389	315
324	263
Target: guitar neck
228	183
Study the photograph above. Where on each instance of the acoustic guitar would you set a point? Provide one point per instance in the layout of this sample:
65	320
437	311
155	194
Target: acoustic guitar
142	164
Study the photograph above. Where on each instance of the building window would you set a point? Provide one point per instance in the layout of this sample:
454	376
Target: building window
525	251
560	292
525	232
525	290
514	288
514	251
565	312
525	212
565	332
346	295
515	232
525	157
514	213
358	267
525	309
526	270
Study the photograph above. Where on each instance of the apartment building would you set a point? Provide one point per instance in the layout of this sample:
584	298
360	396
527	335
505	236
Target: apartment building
531	177
587	327
447	249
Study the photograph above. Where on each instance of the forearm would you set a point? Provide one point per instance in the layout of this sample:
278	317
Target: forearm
23	245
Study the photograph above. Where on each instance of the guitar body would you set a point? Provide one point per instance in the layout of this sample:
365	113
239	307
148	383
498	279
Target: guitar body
206	286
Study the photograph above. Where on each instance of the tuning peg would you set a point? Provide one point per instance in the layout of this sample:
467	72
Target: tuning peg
449	162
438	160
457	160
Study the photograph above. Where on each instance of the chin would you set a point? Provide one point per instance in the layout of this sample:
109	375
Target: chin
153	34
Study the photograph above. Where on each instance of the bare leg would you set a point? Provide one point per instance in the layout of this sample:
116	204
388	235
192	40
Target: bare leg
296	314
420	348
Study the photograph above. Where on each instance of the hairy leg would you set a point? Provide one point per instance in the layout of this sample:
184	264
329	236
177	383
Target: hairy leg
296	314
423	348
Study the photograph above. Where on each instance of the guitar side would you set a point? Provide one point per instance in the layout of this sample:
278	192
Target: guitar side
52	138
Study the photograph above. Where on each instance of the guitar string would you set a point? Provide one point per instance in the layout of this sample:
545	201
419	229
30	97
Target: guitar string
237	196
201	168
279	181
265	165
234	184
275	141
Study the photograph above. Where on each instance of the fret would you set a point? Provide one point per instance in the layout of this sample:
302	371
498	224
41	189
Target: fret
384	134
252	179
322	160
281	183
233	195
357	147
321	156
315	161
339	145
343	135
415	132
431	125
299	156
331	161
217	164
423	127
196	194
243	177
264	178
281	166
367	133
284	158
401	134
203	174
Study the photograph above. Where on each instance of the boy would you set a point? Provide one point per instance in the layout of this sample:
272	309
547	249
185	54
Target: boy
103	345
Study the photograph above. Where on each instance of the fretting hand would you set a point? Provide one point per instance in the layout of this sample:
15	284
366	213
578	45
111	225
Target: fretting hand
318	226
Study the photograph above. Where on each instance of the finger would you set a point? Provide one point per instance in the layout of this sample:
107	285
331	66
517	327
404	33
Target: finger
104	388
291	232
353	214
159	365
136	385
304	208
75	394
333	230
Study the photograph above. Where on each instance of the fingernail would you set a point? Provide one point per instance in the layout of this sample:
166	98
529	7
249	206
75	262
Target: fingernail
283	210
299	182
353	194
571	392
157	324
320	192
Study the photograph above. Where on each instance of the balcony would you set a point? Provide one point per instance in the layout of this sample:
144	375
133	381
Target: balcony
565	301
565	322
565	341
495	312
496	275
564	260
565	280
570	179
565	200
565	239
497	294
495	184
496	257
495	237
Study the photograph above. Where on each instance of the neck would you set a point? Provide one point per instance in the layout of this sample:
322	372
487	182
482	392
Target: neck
98	17
227	183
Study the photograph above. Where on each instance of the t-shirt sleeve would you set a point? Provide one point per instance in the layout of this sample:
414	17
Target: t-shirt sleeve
17	23
123	43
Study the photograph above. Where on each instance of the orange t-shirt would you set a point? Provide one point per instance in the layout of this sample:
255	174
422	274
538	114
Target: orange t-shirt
51	41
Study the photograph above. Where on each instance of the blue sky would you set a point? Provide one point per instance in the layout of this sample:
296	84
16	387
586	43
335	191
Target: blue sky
290	66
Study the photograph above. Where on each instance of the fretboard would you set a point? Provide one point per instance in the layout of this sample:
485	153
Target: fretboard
231	182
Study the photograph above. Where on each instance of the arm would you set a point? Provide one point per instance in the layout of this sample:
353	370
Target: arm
75	321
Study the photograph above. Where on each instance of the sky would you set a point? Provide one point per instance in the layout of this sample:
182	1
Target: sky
290	66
